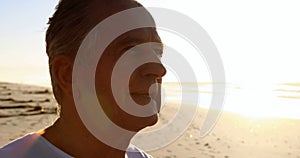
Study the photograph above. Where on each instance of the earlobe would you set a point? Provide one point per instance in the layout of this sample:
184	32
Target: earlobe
62	67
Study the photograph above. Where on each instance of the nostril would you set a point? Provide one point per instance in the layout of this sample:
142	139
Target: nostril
159	80
155	70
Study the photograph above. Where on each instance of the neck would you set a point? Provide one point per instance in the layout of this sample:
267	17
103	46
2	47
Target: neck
71	136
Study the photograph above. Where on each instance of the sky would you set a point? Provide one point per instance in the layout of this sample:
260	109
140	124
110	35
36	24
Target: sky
258	40
22	47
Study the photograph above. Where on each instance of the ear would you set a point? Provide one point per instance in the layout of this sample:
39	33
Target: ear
62	67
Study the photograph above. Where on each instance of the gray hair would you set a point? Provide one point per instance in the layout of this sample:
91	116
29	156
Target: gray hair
67	28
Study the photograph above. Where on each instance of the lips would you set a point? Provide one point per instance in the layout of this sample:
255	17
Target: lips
143	92
139	93
145	95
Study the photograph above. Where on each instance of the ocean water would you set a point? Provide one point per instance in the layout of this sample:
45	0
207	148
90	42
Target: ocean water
270	101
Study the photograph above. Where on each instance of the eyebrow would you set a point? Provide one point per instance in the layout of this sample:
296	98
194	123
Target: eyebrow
151	35
133	40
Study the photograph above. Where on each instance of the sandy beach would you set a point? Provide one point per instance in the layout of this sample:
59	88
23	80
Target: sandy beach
25	109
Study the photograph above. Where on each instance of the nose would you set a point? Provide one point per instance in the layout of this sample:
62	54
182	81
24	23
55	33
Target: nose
156	70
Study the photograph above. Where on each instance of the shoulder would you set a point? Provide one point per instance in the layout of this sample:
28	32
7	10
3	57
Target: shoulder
31	146
135	152
18	147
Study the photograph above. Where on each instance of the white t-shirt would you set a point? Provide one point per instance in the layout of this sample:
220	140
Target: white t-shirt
35	146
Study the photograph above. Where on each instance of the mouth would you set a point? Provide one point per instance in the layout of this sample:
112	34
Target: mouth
146	96
143	94
141	98
140	94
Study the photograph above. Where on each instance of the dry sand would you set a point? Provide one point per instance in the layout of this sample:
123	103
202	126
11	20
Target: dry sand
25	109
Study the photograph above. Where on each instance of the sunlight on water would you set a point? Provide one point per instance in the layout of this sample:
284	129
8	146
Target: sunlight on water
264	101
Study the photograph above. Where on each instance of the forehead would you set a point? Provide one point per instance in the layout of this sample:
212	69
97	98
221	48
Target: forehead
101	9
134	38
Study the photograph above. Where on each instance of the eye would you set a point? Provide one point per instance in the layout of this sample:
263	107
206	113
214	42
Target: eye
159	53
158	50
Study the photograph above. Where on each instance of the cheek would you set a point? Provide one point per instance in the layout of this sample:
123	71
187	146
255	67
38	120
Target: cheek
104	71
102	83
134	78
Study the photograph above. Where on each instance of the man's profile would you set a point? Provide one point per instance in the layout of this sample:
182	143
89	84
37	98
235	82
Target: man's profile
68	136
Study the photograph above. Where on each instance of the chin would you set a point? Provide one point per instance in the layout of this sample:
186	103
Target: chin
137	123
134	123
153	120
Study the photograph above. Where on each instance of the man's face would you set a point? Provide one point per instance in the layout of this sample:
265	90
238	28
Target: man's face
140	81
